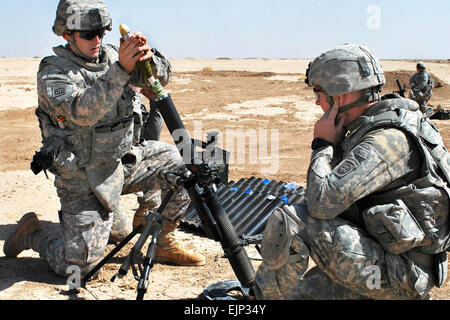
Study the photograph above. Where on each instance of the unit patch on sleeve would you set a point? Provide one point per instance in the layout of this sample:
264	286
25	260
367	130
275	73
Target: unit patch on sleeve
58	91
346	166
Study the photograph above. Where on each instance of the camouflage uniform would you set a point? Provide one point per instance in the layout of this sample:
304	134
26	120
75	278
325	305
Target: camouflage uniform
96	160
375	218
421	84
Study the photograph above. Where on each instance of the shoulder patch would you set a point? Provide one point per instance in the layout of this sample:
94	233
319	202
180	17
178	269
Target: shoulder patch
58	91
345	167
361	153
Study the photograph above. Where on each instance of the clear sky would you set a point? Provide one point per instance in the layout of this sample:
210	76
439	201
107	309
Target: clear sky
396	29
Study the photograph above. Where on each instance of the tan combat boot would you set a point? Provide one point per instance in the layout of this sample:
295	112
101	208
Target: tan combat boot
27	235
168	250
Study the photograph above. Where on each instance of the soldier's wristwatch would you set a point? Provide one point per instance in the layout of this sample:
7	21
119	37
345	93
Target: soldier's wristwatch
319	143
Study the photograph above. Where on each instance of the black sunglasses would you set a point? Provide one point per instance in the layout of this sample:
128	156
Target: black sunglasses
316	90
89	35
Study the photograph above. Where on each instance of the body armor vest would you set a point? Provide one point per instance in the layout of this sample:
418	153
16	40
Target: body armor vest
98	148
427	197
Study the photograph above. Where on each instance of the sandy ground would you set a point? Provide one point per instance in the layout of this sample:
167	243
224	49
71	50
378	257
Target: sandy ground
239	97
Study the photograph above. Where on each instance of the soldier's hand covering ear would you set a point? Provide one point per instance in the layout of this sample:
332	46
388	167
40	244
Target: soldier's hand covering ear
328	128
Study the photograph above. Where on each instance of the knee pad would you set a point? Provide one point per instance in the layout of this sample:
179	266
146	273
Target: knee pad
281	245
121	225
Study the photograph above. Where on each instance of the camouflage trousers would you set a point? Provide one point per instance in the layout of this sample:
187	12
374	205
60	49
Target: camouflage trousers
86	225
421	100
350	264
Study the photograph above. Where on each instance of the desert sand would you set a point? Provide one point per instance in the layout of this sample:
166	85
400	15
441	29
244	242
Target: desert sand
235	95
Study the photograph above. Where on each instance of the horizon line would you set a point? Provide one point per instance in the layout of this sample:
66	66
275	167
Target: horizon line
443	60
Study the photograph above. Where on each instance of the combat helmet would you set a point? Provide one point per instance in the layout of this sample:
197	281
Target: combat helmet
421	65
81	15
344	69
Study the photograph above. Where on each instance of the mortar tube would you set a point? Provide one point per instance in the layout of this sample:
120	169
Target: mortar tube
211	210
191	217
178	132
237	255
190	212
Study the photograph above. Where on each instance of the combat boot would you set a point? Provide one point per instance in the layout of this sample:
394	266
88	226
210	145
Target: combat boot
27	235
168	250
139	217
147	202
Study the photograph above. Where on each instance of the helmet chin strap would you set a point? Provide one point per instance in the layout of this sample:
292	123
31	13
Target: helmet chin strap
77	50
367	96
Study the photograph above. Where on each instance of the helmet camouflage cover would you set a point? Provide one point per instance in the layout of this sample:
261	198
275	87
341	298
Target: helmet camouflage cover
346	68
421	65
81	15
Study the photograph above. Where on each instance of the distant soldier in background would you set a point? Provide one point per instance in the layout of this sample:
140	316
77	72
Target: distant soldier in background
421	84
